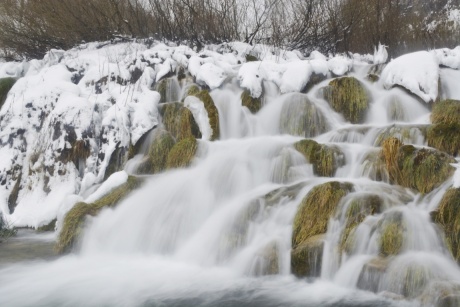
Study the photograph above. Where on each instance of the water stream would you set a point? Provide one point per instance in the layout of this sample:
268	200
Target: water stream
208	236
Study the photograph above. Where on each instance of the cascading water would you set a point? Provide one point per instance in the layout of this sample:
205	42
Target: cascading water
219	232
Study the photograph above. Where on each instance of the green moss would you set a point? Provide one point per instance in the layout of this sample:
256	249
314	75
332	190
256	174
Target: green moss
408	134
446	112
251	58
74	219
419	169
192	90
299	116
179	121
253	104
51	226
325	159
306	259
448	218
445	137
359	208
156	159
391	240
213	113
349	97
315	210
5	86
182	154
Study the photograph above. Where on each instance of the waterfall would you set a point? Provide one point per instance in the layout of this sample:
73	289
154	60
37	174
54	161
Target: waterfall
219	232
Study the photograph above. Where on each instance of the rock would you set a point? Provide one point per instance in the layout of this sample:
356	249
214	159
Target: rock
391	229
253	104
169	89
267	261
299	116
447	216
156	159
348	97
444	134
325	159
5	86
409	134
179	121
446	112
74	219
373	75
372	273
419	169
441	294
182	153
213	113
306	258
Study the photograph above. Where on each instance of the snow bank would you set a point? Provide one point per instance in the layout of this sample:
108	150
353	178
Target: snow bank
448	57
417	72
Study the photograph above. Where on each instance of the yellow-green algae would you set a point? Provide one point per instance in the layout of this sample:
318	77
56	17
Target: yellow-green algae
349	97
325	159
179	121
360	207
74	219
253	104
156	159
306	258
315	210
420	169
444	134
299	116
447	216
182	154
5	86
213	113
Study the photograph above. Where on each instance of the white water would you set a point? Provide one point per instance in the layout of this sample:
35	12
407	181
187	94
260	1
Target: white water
205	235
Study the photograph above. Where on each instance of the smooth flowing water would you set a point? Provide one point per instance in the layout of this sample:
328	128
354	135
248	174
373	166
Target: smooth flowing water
208	235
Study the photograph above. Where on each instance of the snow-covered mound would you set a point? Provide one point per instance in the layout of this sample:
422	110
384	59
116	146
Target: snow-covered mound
70	119
418	72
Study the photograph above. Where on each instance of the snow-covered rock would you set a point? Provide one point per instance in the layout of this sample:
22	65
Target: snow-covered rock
417	72
380	54
448	57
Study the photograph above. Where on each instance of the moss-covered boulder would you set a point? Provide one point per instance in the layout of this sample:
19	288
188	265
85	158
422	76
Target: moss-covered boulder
315	210
156	159
74	219
444	134
253	104
441	294
407	134
348	97
5	86
306	258
182	153
310	221
447	216
371	274
169	89
391	230
420	169
300	116
325	159
211	109
267	261
179	121
359	207
374	73
373	166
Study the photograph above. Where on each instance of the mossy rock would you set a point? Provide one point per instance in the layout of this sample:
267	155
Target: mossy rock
315	210
306	259
74	219
374	73
51	226
179	121
286	193
348	97
14	194
392	231
5	86
407	134
168	89
325	159
253	104
192	90
135	149
441	294
371	274
447	216
156	159
315	78
360	207
445	137
374	166
300	116
419	169
410	280
213	113
446	112
267	261
117	160
182	154
251	58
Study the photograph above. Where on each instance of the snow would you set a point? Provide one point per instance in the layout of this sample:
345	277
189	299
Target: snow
340	65
196	106
417	72
210	75
111	183
448	57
